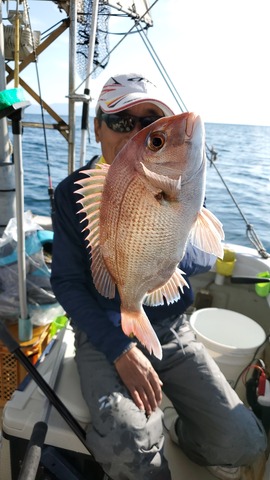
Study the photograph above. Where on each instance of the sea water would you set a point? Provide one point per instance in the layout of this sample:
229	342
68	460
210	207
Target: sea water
238	183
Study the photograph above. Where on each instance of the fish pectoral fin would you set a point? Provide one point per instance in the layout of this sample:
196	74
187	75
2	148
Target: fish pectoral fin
168	291
137	324
168	185
101	277
207	233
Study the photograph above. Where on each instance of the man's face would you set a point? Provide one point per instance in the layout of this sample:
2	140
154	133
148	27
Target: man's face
111	141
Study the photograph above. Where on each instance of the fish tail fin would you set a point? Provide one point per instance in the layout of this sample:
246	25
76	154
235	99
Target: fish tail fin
137	324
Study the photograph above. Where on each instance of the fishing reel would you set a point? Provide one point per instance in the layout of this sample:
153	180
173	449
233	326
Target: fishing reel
258	393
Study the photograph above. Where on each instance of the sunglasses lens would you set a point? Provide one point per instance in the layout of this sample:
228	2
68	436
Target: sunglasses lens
119	124
145	121
125	124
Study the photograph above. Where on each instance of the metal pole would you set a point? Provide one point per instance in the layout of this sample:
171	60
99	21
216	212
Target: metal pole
25	326
17	47
72	63
91	50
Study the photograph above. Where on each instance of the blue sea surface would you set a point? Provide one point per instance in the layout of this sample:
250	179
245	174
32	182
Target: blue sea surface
243	163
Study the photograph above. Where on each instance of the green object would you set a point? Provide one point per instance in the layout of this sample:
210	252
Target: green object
10	96
57	324
262	289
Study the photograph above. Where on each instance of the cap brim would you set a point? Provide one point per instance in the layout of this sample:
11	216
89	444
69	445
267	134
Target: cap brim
123	102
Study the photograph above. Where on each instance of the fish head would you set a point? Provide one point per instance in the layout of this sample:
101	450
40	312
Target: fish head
171	146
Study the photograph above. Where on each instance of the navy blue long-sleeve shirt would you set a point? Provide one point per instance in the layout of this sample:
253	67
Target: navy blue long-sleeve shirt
72	281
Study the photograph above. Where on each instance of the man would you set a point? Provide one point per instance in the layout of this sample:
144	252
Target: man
121	383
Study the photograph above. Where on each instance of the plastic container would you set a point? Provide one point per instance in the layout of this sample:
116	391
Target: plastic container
262	289
10	96
226	265
58	323
231	339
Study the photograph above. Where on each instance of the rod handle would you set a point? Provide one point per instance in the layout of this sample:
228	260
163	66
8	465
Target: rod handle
250	280
33	453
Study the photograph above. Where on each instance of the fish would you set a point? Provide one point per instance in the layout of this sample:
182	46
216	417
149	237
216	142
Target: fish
141	211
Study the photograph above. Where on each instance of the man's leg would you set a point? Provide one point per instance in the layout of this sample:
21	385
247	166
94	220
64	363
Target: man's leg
127	444
214	426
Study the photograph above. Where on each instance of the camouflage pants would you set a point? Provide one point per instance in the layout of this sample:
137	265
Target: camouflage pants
214	426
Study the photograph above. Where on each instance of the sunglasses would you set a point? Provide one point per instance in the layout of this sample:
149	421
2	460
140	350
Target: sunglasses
126	123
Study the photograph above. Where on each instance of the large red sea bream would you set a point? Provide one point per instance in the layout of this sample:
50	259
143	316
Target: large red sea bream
141	211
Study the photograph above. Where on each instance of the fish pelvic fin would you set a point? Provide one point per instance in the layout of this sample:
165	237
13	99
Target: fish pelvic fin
137	324
207	233
168	185
91	189
169	291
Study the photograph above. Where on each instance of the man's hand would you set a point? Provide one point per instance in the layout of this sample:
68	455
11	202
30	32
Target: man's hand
141	379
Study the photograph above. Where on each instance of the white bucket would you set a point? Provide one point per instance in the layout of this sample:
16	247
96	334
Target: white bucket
230	337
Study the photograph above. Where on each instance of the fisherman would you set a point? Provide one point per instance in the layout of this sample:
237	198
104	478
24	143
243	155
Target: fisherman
121	382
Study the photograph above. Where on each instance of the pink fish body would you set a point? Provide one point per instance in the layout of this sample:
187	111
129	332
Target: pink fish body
141	211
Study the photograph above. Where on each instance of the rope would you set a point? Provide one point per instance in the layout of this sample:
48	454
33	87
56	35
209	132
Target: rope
251	234
162	70
50	184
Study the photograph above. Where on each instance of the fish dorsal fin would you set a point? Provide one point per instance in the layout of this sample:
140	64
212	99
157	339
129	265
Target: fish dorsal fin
169	291
91	191
171	187
207	233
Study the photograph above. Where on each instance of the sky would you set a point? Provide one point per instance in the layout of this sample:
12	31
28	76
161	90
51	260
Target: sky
216	53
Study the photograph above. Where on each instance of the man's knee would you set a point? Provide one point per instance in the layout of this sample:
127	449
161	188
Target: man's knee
126	428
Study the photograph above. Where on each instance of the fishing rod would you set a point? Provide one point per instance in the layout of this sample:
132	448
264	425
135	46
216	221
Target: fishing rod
33	453
250	280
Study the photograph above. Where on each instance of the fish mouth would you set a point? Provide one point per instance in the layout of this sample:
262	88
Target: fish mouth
192	118
187	178
194	127
195	139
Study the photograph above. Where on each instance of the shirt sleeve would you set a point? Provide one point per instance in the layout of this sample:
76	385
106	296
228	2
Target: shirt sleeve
72	282
196	261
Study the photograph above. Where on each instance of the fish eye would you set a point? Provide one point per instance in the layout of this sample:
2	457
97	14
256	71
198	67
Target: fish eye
155	141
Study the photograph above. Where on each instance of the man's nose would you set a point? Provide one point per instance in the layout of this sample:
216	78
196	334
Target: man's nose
136	129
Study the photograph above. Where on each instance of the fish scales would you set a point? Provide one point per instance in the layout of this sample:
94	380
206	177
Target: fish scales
149	236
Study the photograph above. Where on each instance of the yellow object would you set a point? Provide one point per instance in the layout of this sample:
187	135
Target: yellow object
101	161
225	266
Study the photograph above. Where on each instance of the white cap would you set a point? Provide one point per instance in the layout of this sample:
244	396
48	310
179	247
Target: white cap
125	91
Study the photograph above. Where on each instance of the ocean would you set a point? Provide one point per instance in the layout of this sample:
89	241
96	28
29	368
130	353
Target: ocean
243	164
